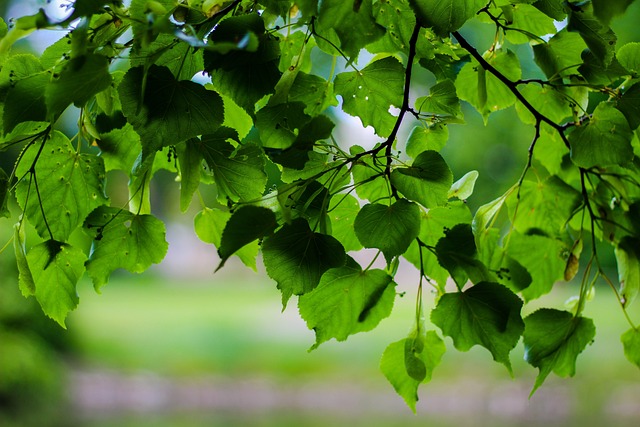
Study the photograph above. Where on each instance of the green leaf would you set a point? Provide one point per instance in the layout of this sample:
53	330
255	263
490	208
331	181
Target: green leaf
25	278
600	39
482	89
629	57
560	55
238	173
297	155
63	187
165	111
315	92
628	260
246	225
4	194
190	166
424	350
553	339
631	343
604	141
551	103
427	181
487	314
123	240
456	252
605	10
183	60
209	225
423	138
244	76
25	99
388	228
543	257
353	23
463	188
79	80
528	23
442	100
543	205
120	148
347	301
296	257
629	105
279	125
56	268
368	177
369	93
342	212
445	16
397	17
552	8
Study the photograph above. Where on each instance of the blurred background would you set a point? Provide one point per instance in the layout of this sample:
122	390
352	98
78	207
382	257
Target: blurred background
180	346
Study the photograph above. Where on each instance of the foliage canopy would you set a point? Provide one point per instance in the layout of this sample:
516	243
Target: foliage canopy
259	134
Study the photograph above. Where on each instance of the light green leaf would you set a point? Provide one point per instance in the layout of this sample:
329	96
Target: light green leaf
315	92
368	177
296	257
561	55
445	16
246	225
427	181
442	100
25	81
629	57
190	167
25	278
165	111
56	268
120	148
548	101
279	125
543	257
352	22
604	141
369	93
79	80
543	205
553	339
342	212
422	138
123	240
597	35
463	188
63	189
531	22
347	301
482	89
209	225
628	260
487	314
397	17
631	343
388	228
425	350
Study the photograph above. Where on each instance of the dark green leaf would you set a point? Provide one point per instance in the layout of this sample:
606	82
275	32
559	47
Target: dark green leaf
4	194
597	35
560	55
347	301
296	257
629	104
445	16
605	10
279	125
209	225
353	23
190	166
423	138
165	111
370	93
79	80
388	228
553	8
456	252
399	356
56	268
605	140
427	181
25	80
442	100
487	314
553	339
123	240
397	17
63	187
246	225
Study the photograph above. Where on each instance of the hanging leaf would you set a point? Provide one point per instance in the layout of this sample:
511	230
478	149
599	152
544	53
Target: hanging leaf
123	240
631	343
487	314
445	16
596	34
553	339
388	228
296	257
628	260
347	301
427	181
